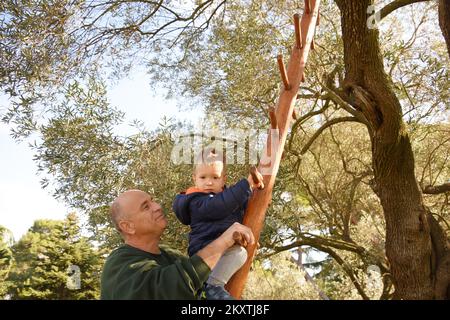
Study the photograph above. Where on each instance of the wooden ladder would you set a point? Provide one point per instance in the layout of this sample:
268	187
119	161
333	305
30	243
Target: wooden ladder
280	118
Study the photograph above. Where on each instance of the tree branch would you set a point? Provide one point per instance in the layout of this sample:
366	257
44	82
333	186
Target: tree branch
348	271
391	7
305	117
175	23
437	189
326	125
315	241
322	245
333	94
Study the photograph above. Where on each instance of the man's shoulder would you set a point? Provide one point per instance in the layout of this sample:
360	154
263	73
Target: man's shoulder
117	251
125	252
127	258
171	252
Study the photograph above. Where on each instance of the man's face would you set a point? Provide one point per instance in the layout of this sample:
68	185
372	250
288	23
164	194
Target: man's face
209	177
145	215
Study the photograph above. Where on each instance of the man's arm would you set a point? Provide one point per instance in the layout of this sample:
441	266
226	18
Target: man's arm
213	251
192	272
147	279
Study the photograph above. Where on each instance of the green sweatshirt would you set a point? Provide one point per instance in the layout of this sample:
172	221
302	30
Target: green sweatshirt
131	273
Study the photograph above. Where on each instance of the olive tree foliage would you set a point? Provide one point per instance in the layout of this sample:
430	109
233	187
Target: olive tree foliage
46	44
234	71
87	164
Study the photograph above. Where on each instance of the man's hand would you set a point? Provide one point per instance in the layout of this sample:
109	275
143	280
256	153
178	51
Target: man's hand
239	239
213	251
240	234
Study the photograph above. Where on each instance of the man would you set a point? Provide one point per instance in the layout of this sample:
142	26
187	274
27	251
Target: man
142	269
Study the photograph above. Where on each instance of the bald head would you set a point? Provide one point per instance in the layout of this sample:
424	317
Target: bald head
139	219
122	206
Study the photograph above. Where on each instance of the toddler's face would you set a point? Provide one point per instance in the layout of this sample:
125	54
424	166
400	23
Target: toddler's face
209	177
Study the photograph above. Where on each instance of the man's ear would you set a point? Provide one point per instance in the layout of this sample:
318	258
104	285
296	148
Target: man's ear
127	227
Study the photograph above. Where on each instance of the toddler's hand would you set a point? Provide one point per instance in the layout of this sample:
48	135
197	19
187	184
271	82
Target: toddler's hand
255	179
239	239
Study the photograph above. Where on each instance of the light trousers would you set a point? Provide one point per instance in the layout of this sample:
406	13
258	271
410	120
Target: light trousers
230	262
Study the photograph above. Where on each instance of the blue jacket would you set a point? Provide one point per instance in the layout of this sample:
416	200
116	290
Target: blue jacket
209	214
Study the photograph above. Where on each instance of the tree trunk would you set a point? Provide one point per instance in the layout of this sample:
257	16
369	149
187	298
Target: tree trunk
444	21
368	89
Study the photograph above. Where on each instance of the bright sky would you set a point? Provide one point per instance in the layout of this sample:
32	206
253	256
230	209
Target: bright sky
22	200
